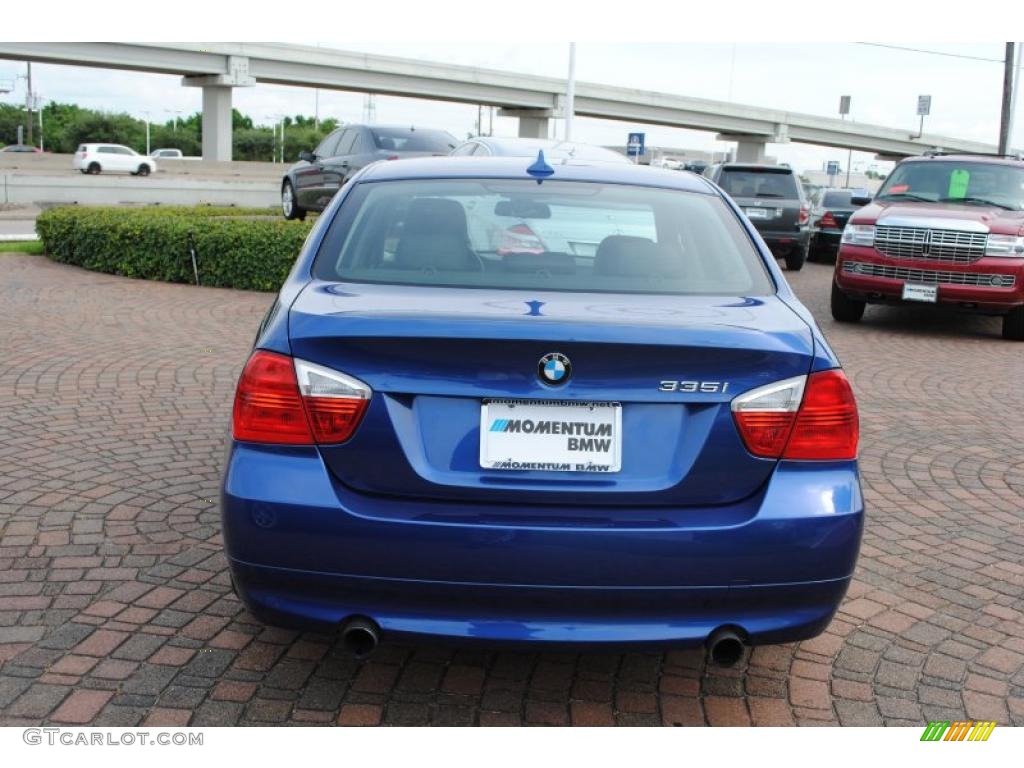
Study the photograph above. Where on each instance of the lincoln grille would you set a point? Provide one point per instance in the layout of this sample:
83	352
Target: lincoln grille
949	245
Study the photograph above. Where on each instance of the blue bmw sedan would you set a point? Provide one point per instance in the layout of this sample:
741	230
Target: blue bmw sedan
509	402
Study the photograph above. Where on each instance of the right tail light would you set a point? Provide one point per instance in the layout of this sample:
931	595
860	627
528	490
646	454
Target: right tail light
810	417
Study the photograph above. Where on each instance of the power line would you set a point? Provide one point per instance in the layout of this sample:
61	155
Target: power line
933	53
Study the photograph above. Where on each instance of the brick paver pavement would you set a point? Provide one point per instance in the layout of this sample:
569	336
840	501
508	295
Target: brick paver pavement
115	607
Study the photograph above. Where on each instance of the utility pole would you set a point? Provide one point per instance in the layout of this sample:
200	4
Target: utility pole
1004	117
148	149
1013	98
570	92
28	104
40	106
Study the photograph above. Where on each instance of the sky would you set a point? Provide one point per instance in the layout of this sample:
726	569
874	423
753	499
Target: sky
802	77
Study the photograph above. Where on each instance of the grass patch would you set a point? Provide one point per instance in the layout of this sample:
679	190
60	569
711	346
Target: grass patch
21	246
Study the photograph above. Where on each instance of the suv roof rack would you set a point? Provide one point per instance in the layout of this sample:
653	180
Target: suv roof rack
943	152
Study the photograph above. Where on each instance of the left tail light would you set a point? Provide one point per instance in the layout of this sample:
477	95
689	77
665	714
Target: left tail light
828	220
804	418
286	401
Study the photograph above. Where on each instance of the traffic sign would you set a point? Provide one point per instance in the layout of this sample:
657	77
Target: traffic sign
833	167
924	105
844	105
635	144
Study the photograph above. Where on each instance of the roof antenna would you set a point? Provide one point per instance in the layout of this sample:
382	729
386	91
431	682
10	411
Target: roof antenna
540	170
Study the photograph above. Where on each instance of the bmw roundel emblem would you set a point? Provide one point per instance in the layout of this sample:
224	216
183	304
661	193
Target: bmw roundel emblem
554	368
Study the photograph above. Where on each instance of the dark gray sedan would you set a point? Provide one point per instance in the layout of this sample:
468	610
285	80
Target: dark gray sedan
310	184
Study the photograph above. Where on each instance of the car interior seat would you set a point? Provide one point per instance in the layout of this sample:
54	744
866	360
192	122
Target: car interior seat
628	256
435	236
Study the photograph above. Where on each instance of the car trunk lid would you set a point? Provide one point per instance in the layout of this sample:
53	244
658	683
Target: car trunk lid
434	356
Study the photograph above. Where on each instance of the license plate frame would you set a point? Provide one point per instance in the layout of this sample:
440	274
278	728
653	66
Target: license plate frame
928	294
546	447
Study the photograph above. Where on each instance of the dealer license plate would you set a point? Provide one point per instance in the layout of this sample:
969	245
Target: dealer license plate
760	213
551	436
913	292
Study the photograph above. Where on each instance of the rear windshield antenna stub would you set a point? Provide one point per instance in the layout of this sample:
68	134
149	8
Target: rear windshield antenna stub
540	169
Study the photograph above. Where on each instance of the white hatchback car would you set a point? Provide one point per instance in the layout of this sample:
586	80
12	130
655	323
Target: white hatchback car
96	158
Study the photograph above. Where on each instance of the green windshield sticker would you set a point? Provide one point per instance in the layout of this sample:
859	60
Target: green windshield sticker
958	180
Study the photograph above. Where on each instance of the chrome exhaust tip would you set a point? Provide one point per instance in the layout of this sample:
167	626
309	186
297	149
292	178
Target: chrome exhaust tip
725	647
360	636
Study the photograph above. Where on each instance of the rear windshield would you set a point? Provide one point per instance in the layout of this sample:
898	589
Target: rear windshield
413	140
759	183
837	199
956	181
558	236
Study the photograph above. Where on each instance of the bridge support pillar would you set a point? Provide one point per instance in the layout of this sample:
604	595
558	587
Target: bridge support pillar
217	123
217	114
533	123
749	148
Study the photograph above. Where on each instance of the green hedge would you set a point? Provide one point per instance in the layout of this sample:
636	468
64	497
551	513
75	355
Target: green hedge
244	248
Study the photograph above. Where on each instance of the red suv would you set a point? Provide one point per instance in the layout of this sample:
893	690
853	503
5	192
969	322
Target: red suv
943	229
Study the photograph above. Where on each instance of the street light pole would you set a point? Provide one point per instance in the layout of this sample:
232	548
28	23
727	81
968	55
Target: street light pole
570	92
147	132
844	110
28	102
1013	97
40	105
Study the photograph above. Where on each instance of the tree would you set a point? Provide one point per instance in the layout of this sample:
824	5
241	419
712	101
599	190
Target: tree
68	125
253	144
10	118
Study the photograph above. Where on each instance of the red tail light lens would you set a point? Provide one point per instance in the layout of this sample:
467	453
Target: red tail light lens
804	215
807	417
335	402
826	426
285	401
268	406
828	220
765	416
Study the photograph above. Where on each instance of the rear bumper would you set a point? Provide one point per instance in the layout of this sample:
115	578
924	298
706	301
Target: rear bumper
781	242
874	287
827	239
305	552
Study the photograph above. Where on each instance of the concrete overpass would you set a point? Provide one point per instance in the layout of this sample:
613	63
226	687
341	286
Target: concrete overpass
220	67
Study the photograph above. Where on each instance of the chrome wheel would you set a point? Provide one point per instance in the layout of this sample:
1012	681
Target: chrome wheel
287	201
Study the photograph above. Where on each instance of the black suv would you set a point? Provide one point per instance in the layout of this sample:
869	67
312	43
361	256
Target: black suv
310	184
773	200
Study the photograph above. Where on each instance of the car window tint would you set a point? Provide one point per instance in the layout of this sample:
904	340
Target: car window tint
413	140
560	236
836	199
326	147
956	180
753	183
348	139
